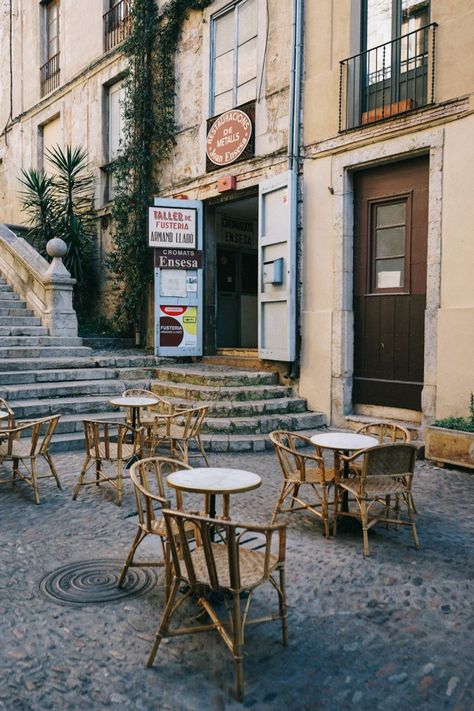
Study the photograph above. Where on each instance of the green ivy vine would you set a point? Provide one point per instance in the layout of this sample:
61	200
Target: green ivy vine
149	136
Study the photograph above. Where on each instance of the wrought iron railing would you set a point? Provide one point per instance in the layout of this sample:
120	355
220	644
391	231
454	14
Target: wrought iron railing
388	80
49	75
117	24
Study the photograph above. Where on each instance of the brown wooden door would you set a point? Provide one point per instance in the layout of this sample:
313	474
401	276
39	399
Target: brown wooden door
391	223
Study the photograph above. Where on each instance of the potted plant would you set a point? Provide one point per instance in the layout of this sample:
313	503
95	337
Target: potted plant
451	440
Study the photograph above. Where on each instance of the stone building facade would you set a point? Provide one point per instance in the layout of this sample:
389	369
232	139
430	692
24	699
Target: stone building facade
338	242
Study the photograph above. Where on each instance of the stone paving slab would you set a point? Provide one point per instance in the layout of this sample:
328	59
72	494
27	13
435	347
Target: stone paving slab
390	632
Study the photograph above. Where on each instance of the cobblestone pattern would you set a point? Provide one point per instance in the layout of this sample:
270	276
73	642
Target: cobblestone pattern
389	632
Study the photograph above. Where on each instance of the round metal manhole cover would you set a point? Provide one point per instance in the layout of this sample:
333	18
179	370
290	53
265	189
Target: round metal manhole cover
88	582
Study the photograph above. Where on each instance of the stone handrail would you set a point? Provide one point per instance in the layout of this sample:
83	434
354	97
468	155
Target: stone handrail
46	287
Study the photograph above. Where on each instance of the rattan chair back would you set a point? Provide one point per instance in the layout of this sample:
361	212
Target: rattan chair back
294	460
385	432
108	440
148	478
178	430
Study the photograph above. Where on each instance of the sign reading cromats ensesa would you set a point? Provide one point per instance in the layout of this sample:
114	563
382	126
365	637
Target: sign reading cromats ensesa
178	258
230	137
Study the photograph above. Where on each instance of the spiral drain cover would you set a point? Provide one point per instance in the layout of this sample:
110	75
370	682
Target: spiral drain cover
89	582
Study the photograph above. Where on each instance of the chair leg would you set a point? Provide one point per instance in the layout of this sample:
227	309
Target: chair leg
282	608
49	459
284	491
140	535
324	510
98	469
167	560
237	646
119	482
87	459
34	479
336	509
16	463
363	517
163	628
201	449
296	491
410	510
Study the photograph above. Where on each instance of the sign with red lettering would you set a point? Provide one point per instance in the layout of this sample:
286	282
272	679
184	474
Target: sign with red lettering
178	327
228	137
172	227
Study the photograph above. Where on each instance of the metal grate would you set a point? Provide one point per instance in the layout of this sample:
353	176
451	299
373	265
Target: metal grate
117	24
49	75
388	80
90	582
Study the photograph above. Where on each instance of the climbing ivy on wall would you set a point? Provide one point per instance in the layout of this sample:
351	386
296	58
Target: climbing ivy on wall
149	136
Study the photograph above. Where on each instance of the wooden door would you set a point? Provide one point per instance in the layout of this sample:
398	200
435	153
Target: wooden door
390	238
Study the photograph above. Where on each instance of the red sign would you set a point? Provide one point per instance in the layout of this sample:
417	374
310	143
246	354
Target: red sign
228	137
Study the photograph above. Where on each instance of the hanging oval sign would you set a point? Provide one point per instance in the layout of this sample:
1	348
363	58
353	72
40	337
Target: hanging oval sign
228	137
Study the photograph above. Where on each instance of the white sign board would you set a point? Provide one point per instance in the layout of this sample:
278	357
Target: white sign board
172	227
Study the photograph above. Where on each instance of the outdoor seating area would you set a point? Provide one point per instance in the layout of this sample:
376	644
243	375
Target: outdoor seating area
223	553
205	551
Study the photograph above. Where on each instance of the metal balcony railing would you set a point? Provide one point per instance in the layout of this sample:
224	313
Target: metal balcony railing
49	75
117	24
388	80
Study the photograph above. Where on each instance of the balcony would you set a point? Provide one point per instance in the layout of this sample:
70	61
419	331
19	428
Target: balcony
389	80
117	24
49	75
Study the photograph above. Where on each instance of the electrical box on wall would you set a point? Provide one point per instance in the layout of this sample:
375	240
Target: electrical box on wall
273	272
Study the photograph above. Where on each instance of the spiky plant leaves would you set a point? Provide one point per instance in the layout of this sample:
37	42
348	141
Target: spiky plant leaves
37	198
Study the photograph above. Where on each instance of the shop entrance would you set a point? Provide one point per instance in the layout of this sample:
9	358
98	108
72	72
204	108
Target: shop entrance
236	273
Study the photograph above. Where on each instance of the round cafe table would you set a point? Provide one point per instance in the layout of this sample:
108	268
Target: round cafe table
134	403
345	442
213	481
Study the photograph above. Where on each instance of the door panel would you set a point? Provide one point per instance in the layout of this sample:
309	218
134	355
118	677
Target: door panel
390	284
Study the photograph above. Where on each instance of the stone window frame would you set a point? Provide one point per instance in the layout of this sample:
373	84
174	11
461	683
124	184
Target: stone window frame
342	350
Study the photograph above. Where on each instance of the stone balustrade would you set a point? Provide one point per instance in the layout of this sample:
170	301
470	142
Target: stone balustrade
46	287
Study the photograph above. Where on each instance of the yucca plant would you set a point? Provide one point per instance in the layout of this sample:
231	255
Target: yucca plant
37	198
62	205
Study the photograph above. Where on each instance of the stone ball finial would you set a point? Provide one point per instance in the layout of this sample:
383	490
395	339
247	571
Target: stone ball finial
56	247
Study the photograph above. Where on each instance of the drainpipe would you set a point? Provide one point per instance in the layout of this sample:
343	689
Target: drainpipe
294	147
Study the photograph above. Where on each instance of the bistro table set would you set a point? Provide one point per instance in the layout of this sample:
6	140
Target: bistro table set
205	554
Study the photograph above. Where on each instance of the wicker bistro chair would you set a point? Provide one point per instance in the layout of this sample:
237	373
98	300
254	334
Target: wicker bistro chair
302	469
23	445
107	442
177	430
9	422
227	568
147	477
387	470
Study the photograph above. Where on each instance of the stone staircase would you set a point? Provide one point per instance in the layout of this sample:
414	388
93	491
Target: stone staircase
244	405
42	375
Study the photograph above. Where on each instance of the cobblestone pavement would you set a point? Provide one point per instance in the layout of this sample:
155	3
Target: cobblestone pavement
389	632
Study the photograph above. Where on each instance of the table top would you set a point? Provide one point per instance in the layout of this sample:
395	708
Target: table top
3	414
347	441
214	480
132	401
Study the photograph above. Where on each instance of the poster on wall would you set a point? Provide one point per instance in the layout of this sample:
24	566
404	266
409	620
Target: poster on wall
178	327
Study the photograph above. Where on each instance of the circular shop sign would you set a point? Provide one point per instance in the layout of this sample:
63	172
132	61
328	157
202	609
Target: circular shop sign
228	137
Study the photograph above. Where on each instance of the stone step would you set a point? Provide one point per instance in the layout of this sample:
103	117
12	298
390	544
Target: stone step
215	443
32	341
20	319
205	392
39	407
5	288
263	424
77	375
247	408
234	361
8	297
46	391
80	361
16	309
205	375
26	330
31	353
9	301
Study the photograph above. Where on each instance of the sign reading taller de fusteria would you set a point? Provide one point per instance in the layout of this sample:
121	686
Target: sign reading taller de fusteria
172	227
230	137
